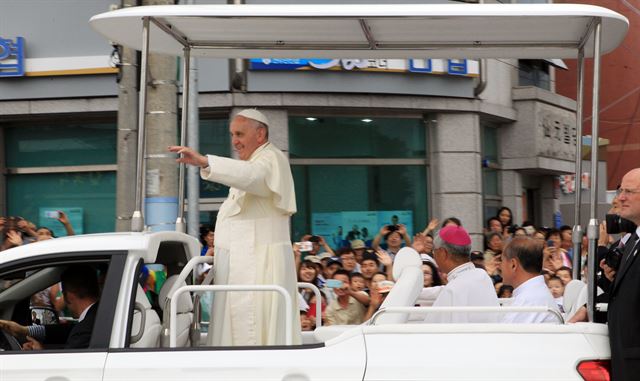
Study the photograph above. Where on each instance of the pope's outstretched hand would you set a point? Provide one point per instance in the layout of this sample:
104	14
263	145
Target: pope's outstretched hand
189	156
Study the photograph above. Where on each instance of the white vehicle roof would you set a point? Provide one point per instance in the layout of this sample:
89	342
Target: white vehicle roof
146	244
367	30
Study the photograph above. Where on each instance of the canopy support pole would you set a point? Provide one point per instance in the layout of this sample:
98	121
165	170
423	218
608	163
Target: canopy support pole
578	233
186	62
593	228
137	220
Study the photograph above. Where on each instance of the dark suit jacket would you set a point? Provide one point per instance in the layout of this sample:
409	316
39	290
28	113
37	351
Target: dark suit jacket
72	335
624	319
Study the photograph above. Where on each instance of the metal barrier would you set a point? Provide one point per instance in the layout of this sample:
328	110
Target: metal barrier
465	309
316	292
173	316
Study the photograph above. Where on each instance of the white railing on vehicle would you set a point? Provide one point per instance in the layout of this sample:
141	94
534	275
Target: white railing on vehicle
173	317
316	292
487	309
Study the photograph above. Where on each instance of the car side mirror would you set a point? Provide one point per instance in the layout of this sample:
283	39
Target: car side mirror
44	315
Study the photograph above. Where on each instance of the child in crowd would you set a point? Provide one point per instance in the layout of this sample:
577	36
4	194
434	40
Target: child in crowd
358	286
565	274
505	291
358	283
557	290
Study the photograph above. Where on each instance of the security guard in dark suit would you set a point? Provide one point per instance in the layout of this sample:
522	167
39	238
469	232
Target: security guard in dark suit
624	298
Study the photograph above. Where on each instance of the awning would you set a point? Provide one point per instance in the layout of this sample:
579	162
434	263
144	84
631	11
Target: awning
533	31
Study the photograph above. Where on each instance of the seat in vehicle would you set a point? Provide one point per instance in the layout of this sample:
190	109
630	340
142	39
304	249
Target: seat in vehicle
185	310
407	272
146	335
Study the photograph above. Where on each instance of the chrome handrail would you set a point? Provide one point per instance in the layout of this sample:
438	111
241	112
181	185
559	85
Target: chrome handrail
483	309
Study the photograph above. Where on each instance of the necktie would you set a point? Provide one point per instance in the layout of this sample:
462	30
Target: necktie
628	249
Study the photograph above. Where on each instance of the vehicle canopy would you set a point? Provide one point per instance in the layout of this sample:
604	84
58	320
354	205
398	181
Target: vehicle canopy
540	31
366	30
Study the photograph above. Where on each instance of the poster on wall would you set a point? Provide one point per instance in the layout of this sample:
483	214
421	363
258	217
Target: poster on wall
48	217
340	228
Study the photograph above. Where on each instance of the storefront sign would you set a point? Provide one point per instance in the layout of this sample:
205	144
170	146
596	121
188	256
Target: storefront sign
467	68
13	63
12	57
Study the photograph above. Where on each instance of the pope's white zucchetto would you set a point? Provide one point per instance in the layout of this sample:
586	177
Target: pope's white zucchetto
252	113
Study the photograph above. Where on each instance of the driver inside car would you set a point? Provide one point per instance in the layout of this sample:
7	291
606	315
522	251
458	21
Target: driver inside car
81	292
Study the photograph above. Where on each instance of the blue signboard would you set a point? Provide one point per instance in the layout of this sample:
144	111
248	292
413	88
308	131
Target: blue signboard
423	66
12	57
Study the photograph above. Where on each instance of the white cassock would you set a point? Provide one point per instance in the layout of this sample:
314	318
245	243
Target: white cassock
252	246
533	292
467	287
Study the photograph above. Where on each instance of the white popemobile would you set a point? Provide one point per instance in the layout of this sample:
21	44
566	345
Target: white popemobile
133	341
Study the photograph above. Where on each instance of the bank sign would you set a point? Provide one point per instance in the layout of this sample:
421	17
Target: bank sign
467	68
12	57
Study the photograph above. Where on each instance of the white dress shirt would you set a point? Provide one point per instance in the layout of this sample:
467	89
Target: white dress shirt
467	287
533	292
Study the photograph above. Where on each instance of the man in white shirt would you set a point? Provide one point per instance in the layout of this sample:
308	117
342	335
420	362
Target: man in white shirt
467	286
521	267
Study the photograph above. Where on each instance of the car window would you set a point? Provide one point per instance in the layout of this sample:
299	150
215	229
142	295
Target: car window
34	296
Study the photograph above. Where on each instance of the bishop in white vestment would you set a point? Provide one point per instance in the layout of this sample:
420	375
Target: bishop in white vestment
252	243
467	286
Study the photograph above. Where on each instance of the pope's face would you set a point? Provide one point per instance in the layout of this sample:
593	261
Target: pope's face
246	137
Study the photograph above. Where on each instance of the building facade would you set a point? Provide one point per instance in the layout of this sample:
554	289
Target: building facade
370	142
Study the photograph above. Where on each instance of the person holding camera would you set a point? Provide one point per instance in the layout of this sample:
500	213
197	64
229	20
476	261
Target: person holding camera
345	308
624	293
393	236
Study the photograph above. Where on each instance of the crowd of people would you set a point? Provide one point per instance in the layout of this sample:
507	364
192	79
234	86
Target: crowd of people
355	279
17	231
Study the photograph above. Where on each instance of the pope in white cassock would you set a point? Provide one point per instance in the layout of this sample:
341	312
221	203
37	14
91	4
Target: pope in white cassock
252	244
467	285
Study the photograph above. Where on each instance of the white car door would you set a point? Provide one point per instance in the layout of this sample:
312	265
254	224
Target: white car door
343	359
71	365
55	363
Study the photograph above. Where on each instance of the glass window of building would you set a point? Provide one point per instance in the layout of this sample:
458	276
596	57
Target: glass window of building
61	166
214	140
354	175
490	170
534	73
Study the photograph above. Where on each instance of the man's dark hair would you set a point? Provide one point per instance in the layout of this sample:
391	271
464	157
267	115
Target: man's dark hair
342	272
565	227
344	250
354	275
552	231
370	257
82	280
528	251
